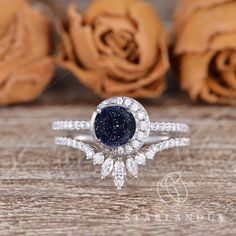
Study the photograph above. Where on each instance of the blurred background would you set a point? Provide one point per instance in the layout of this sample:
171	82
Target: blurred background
129	55
59	86
165	8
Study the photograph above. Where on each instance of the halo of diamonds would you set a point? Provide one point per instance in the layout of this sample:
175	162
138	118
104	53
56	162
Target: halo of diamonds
142	125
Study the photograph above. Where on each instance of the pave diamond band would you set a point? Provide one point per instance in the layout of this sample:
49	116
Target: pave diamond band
169	127
71	125
120	137
154	126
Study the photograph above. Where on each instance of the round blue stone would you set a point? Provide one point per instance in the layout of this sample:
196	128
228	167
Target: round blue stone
114	126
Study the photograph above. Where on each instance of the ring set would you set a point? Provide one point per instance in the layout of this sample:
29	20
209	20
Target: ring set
120	136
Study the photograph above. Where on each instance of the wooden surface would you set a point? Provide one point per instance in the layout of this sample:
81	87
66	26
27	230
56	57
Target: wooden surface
45	190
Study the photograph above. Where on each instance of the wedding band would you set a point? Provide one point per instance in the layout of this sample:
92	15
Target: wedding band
120	136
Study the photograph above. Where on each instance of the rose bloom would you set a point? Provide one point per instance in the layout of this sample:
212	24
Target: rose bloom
25	65
117	48
206	46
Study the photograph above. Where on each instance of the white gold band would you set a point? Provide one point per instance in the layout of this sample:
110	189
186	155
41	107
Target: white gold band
154	126
71	125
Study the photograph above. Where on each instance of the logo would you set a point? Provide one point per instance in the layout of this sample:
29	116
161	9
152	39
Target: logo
172	191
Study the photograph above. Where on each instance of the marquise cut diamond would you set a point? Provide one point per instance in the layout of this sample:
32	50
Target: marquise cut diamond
119	174
132	167
107	167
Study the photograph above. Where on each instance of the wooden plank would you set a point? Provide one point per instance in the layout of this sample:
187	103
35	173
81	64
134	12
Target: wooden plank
47	190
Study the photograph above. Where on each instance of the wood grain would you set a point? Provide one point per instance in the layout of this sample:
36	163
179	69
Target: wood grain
45	190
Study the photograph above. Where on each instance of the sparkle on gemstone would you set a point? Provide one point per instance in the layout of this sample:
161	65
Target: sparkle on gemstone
98	158
141	115
150	154
128	102
140	159
140	135
134	107
143	125
114	126
135	144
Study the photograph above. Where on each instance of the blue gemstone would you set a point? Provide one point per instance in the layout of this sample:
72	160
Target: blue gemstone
114	126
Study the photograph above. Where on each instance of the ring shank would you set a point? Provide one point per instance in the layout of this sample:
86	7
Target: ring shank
166	127
163	135
151	139
151	150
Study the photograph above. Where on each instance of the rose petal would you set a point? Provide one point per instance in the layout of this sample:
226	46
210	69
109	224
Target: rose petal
206	35
99	31
148	33
220	90
223	41
27	83
147	39
108	44
24	63
194	71
90	79
182	16
82	40
106	7
226	60
226	67
205	24
116	23
137	88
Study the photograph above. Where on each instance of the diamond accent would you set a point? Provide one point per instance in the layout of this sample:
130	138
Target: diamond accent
128	149
141	115
140	135
135	144
127	102
134	107
150	154
132	167
143	125
89	152
119	101
140	159
121	151
98	158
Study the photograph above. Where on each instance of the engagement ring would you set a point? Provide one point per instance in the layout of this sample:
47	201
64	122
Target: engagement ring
120	136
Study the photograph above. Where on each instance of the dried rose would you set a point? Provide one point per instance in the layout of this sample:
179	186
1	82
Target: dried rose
25	65
117	48
206	46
